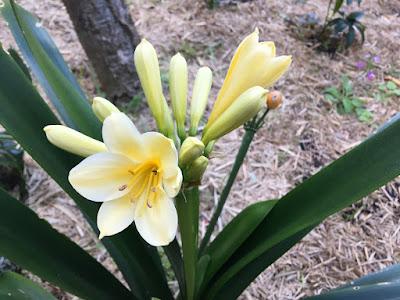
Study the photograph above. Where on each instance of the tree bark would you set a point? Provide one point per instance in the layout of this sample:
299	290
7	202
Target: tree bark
109	38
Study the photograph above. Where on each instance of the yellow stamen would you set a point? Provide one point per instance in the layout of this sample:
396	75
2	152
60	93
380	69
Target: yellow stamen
145	181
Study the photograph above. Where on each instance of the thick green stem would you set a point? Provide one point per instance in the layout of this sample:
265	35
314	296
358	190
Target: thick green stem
244	147
187	204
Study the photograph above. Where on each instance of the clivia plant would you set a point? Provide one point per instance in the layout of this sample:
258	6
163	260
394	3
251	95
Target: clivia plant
137	190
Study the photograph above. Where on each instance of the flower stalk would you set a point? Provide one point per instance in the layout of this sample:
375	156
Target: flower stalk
250	130
187	203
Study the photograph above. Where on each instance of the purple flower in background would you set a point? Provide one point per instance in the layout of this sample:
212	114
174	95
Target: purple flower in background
376	59
360	65
371	75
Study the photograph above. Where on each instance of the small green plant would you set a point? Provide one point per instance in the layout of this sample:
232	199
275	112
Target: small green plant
387	90
346	102
340	32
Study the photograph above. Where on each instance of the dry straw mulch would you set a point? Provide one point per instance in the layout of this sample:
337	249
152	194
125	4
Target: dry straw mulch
297	140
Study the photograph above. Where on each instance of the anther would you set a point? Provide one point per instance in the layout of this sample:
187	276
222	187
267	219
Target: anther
123	187
148	204
155	172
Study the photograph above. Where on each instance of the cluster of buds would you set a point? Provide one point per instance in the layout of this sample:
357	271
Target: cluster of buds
135	175
253	69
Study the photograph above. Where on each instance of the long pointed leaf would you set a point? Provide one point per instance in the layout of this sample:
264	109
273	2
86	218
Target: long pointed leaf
389	274
356	174
230	289
235	233
17	287
49	67
384	284
173	252
24	114
33	244
387	291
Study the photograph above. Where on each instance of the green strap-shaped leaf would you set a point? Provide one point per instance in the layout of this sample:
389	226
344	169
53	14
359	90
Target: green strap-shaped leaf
50	69
389	274
384	284
202	265
24	114
33	244
173	252
385	291
231	289
356	174
20	62
235	233
17	287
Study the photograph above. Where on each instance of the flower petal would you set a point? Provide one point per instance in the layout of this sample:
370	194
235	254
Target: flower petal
172	184
114	216
102	176
161	148
121	136
158	225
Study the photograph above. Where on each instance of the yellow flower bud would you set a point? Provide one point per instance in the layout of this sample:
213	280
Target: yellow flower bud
201	89
148	69
191	149
102	108
242	109
178	86
196	170
253	64
73	141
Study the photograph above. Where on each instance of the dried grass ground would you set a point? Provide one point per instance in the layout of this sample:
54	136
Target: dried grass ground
300	138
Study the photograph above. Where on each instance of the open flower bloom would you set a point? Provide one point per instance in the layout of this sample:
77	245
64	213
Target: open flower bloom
253	64
136	179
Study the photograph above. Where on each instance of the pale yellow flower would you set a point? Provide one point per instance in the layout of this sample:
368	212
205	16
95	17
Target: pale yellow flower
136	178
253	64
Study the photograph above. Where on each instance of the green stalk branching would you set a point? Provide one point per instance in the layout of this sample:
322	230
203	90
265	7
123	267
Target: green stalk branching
251	128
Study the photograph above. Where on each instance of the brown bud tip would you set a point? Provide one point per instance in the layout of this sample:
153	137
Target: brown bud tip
274	99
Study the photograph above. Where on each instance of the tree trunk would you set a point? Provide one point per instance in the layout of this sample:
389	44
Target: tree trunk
108	35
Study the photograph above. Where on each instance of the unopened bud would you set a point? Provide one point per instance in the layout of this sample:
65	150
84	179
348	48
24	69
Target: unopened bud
73	141
178	86
274	99
102	108
148	69
246	106
196	170
191	149
201	89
